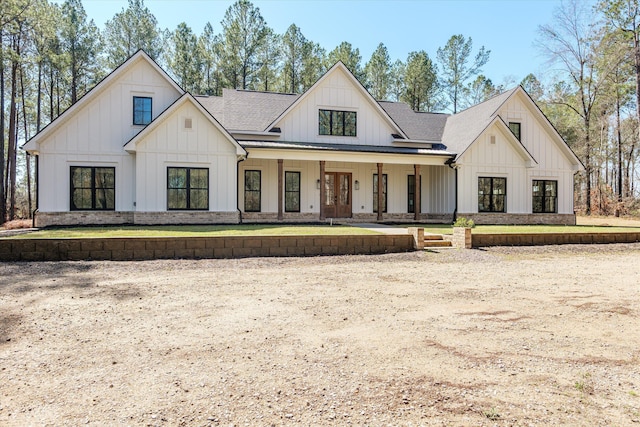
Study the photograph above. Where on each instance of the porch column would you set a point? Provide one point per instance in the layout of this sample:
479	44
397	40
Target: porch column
380	205
280	189
416	203
322	190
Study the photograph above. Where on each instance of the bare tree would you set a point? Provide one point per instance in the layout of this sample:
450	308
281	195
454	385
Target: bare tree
571	42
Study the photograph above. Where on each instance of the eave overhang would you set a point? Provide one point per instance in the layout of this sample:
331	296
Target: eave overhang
344	153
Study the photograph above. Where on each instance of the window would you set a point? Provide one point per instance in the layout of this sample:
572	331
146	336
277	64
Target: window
292	191
491	194
375	192
93	188
338	123
515	128
141	110
545	196
252	189
187	189
411	193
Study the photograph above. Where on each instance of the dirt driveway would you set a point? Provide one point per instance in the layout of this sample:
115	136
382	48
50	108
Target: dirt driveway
504	336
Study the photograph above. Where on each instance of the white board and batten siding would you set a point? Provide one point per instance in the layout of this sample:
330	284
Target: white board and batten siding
336	92
95	134
173	144
492	155
437	195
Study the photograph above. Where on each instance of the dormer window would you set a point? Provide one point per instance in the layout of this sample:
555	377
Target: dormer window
515	128
337	123
141	110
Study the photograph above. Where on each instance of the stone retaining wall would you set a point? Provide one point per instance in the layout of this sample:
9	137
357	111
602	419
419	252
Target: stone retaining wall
483	240
522	219
122	249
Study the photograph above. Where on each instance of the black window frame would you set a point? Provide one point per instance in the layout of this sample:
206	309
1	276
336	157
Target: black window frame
288	191
338	120
145	119
385	184
544	199
492	197
518	133
188	188
94	189
411	195
253	190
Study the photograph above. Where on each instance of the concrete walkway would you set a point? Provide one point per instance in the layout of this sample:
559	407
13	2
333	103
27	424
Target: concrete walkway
382	228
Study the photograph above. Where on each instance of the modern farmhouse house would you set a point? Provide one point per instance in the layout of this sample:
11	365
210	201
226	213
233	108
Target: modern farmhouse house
138	149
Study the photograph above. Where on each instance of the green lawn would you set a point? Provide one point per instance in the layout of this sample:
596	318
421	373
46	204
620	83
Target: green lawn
289	230
523	229
193	231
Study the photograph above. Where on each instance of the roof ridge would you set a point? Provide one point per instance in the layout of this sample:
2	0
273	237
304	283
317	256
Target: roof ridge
493	98
263	91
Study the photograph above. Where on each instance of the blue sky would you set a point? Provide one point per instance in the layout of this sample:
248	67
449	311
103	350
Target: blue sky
507	27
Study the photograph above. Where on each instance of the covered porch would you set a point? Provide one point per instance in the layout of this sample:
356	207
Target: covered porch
287	182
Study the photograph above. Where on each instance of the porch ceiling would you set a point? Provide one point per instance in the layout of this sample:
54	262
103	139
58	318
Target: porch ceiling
345	153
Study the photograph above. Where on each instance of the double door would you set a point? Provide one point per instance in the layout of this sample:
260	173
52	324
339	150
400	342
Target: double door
337	191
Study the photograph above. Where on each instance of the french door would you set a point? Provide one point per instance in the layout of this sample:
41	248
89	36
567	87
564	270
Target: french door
337	190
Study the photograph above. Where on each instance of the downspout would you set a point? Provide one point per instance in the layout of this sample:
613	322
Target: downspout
33	214
241	159
451	163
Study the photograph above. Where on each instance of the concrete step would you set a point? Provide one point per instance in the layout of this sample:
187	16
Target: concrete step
437	244
428	237
436	241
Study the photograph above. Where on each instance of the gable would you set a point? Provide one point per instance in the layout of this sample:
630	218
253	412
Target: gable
537	133
188	129
497	147
337	90
102	120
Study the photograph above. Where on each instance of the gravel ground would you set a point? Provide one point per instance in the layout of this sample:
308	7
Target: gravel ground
504	336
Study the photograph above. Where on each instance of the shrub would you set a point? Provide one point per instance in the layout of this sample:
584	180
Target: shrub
464	222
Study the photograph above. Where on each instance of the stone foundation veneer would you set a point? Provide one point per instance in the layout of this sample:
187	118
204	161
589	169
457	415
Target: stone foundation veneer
47	219
524	219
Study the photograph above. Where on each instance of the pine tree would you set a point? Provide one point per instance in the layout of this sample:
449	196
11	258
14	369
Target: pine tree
132	29
378	73
294	48
421	83
209	46
184	59
457	67
243	34
80	41
349	56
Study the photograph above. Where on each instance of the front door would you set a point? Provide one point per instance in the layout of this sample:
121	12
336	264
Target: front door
337	189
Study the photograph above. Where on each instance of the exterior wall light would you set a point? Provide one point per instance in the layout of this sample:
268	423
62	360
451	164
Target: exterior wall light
356	185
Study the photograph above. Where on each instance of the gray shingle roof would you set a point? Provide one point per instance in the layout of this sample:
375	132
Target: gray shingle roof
421	126
247	110
463	128
241	110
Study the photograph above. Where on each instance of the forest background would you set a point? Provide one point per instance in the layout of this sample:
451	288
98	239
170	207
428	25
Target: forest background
52	53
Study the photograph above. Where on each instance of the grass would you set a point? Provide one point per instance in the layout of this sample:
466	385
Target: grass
193	231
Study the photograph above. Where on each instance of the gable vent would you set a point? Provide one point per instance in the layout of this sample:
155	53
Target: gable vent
492	139
188	124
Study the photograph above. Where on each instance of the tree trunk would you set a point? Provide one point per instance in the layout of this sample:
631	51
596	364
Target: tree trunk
588	168
13	131
636	56
26	138
3	198
39	99
617	211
